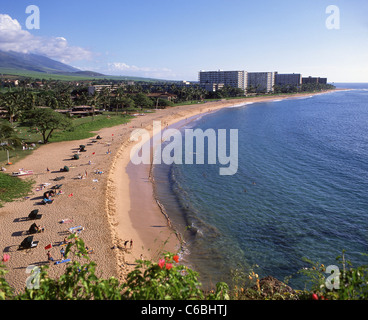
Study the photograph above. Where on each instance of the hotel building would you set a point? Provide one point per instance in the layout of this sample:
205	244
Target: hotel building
261	81
292	79
216	79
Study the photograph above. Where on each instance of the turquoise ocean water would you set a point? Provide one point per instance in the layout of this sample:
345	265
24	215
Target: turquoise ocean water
301	189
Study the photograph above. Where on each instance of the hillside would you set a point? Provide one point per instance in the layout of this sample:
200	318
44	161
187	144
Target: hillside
40	67
32	62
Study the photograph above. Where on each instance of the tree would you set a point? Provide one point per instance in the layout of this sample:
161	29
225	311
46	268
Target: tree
8	138
142	100
46	121
12	102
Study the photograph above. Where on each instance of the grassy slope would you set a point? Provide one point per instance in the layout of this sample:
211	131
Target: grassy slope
12	188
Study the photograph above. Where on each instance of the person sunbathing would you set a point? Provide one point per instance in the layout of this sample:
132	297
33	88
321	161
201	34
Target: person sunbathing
39	229
47	196
36	228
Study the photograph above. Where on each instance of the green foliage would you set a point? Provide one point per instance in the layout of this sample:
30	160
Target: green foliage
148	281
13	188
163	281
79	282
169	280
349	284
8	138
6	292
46	121
83	128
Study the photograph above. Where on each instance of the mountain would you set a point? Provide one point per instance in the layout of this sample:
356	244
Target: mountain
32	62
37	66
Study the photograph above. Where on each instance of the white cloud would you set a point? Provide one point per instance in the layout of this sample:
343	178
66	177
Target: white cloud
122	68
12	37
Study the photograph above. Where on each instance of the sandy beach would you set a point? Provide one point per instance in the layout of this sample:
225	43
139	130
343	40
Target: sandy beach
115	206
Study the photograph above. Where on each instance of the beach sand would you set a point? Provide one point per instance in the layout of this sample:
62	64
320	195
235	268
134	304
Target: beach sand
113	207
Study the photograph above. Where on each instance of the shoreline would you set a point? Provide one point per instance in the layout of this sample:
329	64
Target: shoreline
155	207
110	205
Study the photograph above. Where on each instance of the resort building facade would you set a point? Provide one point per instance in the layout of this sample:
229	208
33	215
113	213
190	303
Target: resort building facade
314	80
288	79
253	82
236	79
261	81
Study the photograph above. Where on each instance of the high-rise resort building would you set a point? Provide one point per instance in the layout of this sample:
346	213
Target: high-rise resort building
261	82
291	79
314	80
213	80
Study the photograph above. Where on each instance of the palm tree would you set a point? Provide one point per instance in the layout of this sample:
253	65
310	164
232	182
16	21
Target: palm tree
13	103
8	137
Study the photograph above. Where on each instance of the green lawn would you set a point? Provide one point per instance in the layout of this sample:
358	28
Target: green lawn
12	188
83	128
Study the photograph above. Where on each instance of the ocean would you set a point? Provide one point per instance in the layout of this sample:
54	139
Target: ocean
300	190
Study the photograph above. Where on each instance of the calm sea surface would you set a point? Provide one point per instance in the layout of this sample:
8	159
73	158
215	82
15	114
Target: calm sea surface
301	189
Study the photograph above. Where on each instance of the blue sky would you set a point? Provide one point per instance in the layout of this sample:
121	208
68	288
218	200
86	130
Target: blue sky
172	39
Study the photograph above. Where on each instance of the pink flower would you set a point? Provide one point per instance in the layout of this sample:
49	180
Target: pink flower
314	296
161	263
176	258
169	266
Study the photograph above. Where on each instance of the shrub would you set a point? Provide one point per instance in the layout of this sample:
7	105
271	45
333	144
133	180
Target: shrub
149	281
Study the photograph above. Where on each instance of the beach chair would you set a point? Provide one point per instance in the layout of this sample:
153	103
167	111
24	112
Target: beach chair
59	178
34	215
28	243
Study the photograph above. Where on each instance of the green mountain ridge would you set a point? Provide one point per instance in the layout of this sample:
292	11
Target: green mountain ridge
41	67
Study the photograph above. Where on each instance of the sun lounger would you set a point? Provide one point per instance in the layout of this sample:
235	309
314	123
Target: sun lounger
28	243
34	215
59	178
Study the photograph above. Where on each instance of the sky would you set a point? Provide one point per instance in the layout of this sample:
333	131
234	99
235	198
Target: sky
174	40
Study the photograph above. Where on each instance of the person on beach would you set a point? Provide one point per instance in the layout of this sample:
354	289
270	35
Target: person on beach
62	252
131	243
39	229
49	257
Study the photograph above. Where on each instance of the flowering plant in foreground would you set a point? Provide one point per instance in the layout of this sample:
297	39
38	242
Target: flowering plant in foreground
167	279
